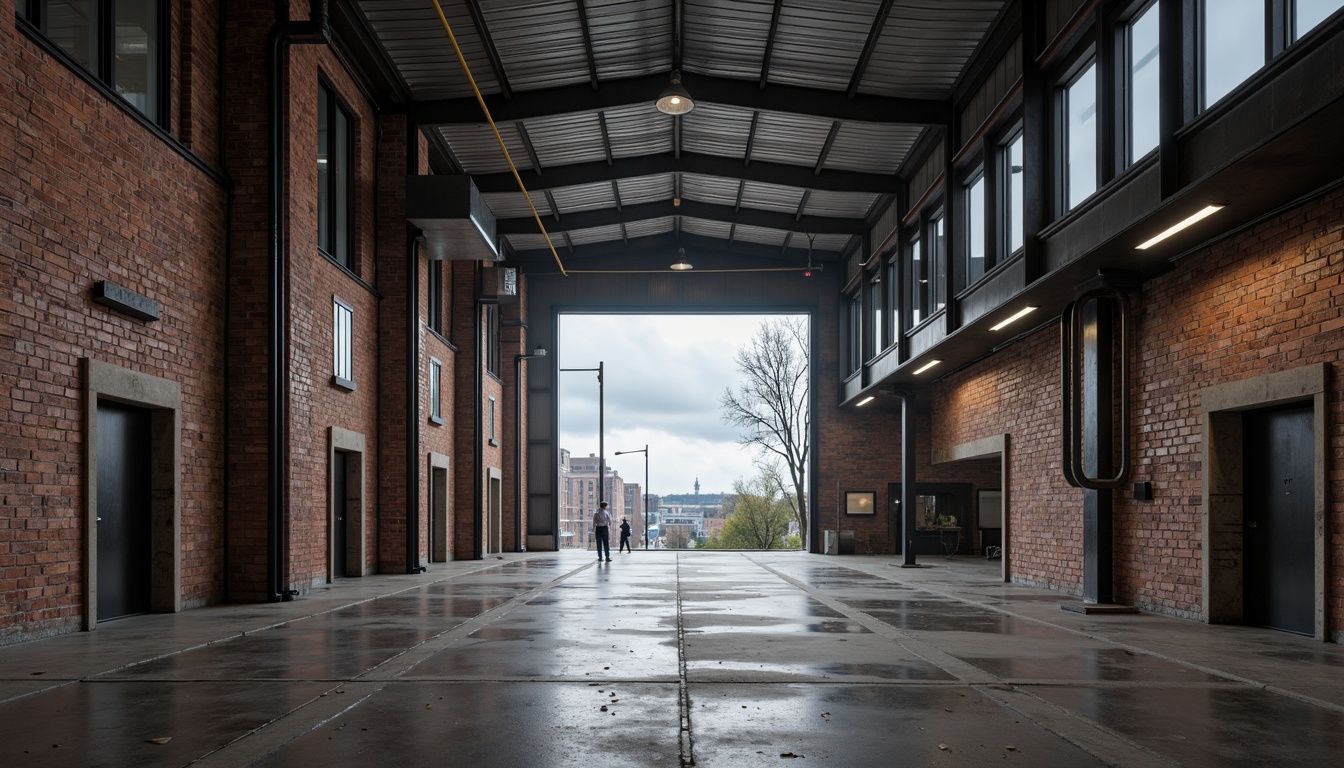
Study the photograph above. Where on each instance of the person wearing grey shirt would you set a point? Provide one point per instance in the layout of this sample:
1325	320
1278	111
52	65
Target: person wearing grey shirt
602	529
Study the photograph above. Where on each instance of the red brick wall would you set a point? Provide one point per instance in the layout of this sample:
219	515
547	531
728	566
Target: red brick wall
1267	300
152	222
314	403
466	470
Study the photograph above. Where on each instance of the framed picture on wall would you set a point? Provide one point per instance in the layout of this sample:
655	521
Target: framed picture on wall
860	502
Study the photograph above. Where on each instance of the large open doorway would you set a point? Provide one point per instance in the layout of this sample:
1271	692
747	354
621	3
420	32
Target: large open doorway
671	413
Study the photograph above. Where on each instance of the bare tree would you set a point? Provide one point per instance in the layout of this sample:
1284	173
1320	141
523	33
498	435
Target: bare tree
771	406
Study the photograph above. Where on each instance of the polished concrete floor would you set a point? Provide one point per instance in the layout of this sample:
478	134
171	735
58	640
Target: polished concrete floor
672	659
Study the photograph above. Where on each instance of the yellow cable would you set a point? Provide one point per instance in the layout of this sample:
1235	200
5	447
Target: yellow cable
481	99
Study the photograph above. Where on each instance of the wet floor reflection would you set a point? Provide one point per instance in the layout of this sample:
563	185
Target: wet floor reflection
1226	725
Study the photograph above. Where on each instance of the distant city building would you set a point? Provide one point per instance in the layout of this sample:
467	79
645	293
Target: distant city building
578	491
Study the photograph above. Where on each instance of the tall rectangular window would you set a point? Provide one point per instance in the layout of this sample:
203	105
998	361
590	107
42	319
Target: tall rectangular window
1080	137
120	42
334	164
1232	44
875	312
435	391
976	263
1012	211
1141	50
435	319
917	281
490	423
937	265
492	338
893	318
343	367
854	333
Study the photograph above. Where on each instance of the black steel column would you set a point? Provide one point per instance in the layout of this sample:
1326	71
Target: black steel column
908	478
1098	340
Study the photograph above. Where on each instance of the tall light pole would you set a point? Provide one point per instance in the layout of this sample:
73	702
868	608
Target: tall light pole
601	432
645	451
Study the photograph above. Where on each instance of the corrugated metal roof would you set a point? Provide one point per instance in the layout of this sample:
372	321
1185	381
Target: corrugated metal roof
547	61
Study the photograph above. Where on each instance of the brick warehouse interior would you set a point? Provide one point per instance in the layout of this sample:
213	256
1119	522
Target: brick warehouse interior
269	278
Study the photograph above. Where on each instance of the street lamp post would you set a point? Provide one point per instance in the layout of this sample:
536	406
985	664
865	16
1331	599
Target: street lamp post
645	451
601	432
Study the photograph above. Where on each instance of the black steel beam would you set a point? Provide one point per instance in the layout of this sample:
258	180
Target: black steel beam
705	89
657	251
491	52
770	44
784	222
587	43
797	176
870	45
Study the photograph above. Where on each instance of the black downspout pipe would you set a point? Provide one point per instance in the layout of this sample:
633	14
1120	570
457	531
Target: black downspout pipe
413	404
478	452
316	30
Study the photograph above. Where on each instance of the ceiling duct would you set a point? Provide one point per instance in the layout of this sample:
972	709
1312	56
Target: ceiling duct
452	214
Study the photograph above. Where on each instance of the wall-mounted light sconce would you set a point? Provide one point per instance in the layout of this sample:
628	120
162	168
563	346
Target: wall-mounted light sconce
675	100
926	366
1016	316
1199	215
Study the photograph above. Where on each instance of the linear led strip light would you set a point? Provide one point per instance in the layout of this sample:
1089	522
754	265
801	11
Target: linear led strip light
1199	215
1021	313
926	367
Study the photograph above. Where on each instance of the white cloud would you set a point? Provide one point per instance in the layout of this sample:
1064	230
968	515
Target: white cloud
664	375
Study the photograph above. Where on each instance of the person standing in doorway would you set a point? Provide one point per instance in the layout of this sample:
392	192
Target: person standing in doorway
625	536
602	529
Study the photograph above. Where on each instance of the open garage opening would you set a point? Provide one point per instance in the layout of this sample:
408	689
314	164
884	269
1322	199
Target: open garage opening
700	428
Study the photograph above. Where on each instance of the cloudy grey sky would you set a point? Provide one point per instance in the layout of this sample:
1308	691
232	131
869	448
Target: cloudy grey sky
664	377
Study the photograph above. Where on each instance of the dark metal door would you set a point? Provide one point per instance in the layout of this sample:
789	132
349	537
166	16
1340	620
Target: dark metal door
1280	565
338	505
124	560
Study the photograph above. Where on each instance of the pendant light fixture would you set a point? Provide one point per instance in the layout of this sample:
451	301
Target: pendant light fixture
681	264
675	100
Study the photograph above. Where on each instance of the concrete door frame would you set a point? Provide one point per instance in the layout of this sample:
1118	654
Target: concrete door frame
1221	515
163	399
352	444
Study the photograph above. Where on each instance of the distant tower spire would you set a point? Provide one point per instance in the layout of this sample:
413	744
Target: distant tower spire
697	486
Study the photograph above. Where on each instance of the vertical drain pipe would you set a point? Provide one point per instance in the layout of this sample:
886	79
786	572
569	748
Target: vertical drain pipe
413	403
316	30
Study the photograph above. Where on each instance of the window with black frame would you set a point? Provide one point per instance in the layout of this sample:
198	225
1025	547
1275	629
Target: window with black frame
1079	145
926	269
491	340
853	333
121	43
435	289
876	313
335	161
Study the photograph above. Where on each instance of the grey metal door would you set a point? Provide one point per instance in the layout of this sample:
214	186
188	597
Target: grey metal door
338	503
1280	567
123	500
